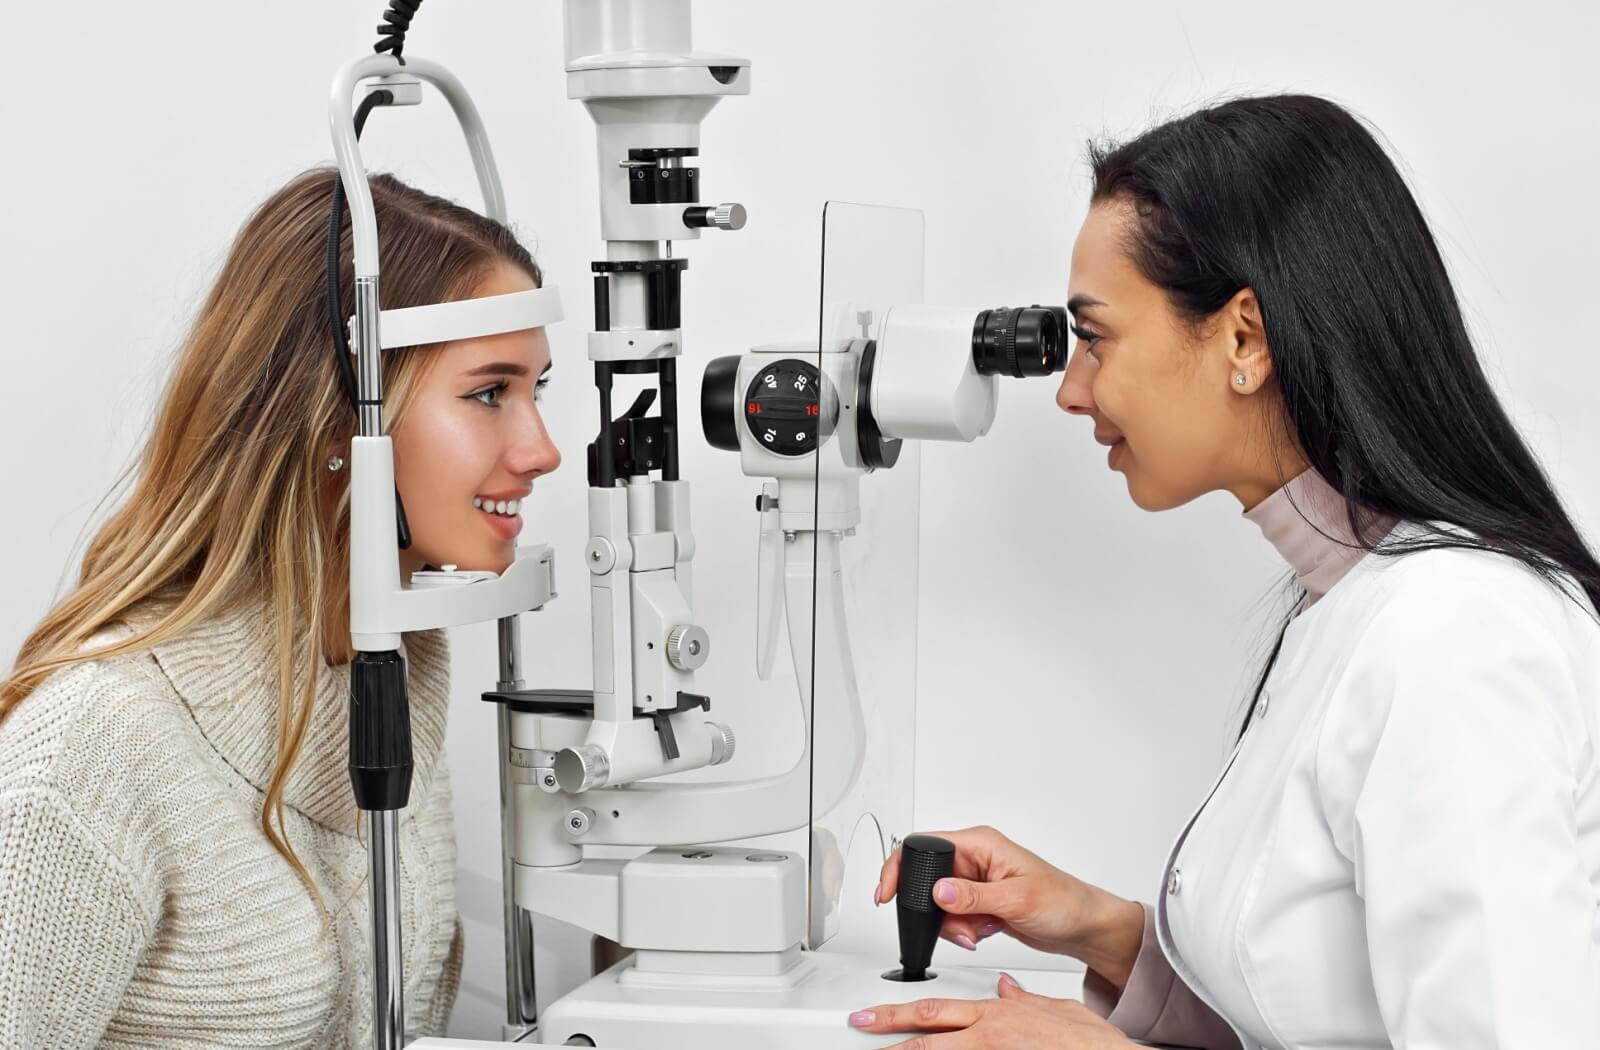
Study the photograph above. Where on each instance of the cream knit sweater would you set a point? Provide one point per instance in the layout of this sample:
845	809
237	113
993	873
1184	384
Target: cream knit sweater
140	903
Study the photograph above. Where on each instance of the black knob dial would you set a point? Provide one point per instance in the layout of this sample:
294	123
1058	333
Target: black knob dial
784	407
924	860
719	403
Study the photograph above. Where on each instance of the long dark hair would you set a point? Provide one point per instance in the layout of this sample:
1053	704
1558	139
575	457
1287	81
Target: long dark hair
1293	197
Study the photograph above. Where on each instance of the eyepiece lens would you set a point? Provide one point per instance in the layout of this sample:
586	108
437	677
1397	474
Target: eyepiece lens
1020	341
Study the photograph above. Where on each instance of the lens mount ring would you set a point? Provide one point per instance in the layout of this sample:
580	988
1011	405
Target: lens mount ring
1009	319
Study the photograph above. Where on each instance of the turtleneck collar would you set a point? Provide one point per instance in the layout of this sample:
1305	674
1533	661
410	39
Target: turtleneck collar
226	671
1306	521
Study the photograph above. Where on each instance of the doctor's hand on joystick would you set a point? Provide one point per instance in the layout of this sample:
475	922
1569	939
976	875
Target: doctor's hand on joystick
996	886
977	883
924	860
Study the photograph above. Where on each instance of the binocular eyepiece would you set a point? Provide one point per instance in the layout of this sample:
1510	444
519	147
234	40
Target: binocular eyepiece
1020	341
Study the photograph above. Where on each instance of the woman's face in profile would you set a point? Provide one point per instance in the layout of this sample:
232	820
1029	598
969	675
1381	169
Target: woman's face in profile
472	441
1160	393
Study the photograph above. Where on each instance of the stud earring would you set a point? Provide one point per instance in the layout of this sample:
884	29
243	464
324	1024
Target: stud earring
1239	379
335	463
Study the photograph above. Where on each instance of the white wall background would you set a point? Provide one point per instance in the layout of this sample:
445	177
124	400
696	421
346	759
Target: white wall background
1081	661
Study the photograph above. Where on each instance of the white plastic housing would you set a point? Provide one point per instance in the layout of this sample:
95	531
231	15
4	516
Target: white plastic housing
631	63
596	29
924	383
803	1008
680	899
810	498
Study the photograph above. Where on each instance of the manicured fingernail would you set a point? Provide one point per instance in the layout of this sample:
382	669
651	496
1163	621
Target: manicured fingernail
1006	978
862	1018
965	942
877	895
944	892
989	929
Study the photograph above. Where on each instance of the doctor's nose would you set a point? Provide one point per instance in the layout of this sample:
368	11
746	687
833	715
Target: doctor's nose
1075	395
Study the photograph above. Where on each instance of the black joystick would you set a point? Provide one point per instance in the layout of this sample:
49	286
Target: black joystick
924	860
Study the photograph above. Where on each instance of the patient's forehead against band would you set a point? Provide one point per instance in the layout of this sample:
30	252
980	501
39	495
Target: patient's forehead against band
468	318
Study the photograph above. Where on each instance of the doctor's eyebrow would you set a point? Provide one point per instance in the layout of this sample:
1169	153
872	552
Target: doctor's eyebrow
1077	302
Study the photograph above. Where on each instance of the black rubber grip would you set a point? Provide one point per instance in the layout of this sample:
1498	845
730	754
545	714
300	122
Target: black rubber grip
380	731
924	860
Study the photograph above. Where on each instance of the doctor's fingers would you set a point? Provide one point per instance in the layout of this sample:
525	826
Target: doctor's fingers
968	931
924	1015
1073	1024
994	1024
976	852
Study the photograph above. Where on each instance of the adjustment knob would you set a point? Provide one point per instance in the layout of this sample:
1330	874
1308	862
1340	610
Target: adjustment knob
924	860
582	768
720	217
688	647
729	216
722	742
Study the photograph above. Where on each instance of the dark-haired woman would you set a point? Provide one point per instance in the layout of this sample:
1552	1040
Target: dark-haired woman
1404	848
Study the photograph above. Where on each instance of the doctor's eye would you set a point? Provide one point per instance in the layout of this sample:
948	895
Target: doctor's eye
538	388
1085	338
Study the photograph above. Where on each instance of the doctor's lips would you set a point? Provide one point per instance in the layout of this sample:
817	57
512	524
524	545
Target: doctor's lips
1115	444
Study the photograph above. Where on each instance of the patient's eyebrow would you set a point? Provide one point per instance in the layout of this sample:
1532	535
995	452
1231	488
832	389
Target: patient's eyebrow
1078	302
499	368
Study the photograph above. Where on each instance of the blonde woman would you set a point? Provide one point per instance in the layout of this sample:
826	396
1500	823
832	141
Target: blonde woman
180	862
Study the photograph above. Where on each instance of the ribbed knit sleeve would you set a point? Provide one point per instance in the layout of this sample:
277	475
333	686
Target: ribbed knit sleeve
72	928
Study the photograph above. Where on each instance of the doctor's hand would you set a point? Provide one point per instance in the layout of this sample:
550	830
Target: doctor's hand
1016	1019
999	887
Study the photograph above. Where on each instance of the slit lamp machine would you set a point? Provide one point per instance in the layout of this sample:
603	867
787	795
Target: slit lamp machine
719	942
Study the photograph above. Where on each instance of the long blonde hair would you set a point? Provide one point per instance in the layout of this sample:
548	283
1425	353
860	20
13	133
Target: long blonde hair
233	497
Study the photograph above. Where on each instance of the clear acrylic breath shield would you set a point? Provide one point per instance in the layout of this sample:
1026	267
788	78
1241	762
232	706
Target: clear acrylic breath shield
862	549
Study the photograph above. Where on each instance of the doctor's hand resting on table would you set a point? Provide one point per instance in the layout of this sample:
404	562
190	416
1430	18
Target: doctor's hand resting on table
1402	851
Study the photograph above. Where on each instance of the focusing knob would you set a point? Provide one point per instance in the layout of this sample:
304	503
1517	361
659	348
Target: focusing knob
688	646
722	742
582	768
728	216
719	217
924	860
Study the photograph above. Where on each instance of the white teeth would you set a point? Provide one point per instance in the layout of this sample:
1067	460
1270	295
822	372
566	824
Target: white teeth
504	506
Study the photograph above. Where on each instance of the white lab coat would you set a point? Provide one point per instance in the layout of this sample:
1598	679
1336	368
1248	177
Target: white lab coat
1404	849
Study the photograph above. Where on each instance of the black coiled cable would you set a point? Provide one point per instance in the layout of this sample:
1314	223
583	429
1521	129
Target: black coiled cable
396	20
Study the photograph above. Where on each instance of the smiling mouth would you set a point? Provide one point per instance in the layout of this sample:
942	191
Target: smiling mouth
508	508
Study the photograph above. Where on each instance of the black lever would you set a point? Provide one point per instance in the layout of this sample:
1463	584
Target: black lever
640	406
924	860
637	443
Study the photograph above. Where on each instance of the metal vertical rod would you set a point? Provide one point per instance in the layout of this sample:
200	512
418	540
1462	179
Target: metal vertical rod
510	654
388	984
369	380
667	373
522	1006
383	826
605	471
